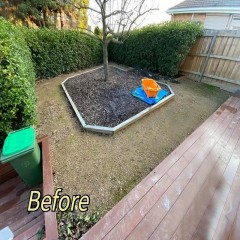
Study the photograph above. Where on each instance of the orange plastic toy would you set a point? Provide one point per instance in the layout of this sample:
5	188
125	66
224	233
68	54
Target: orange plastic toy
150	87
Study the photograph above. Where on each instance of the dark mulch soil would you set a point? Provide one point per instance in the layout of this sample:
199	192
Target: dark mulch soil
106	103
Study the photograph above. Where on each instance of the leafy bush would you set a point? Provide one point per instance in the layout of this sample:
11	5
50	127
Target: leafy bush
55	52
157	48
72	225
17	78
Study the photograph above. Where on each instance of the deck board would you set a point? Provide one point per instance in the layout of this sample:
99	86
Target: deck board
193	194
13	208
31	231
235	233
14	197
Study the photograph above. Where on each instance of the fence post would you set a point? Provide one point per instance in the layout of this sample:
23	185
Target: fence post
208	55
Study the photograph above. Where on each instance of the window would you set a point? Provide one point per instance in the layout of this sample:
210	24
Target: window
235	23
216	21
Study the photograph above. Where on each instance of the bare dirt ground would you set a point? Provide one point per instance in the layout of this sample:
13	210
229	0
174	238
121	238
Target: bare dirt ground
108	167
106	104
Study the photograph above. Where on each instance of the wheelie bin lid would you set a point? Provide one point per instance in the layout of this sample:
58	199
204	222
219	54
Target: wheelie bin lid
18	143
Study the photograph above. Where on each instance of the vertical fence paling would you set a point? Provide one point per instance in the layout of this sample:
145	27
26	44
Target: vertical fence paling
215	59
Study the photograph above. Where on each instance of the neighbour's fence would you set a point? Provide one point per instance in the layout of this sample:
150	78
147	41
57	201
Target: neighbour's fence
215	59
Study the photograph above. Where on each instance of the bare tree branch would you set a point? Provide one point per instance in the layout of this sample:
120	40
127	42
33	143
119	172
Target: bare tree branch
118	18
115	13
121	17
140	15
100	4
80	6
92	35
85	7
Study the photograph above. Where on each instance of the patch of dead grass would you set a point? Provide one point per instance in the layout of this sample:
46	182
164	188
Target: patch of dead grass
108	167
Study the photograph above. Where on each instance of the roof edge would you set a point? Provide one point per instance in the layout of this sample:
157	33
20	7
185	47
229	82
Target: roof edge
204	10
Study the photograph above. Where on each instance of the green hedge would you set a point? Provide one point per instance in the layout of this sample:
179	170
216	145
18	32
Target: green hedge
17	79
157	48
55	52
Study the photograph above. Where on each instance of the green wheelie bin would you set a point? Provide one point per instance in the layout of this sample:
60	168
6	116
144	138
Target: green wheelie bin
22	151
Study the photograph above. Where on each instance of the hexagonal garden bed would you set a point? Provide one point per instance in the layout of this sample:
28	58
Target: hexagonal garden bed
107	107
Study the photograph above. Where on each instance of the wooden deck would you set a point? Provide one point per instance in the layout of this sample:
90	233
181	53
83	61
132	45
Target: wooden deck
193	194
14	197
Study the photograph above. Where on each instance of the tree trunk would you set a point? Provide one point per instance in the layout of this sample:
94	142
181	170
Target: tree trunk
105	41
61	18
44	20
105	60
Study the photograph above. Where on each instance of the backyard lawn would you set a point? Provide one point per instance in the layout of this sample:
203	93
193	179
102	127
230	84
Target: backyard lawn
108	167
36	64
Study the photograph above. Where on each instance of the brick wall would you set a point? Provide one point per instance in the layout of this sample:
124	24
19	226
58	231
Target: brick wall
200	17
184	17
188	16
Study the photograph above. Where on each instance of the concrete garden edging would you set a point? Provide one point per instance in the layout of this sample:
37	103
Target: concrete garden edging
112	130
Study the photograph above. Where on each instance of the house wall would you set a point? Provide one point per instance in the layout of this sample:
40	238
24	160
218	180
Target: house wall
183	17
212	21
189	16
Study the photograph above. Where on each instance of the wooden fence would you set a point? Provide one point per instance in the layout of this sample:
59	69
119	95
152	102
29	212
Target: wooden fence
215	59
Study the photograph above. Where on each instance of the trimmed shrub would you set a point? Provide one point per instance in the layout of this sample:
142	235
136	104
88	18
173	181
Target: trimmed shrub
158	48
55	52
17	79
